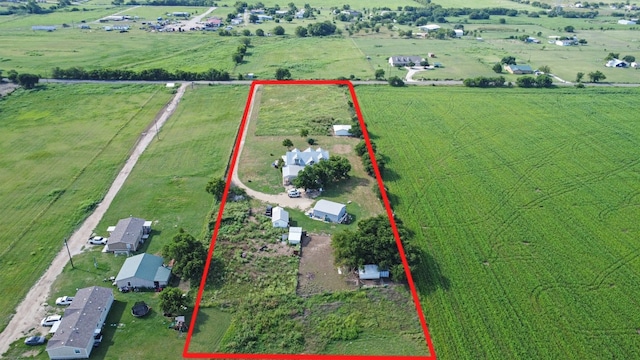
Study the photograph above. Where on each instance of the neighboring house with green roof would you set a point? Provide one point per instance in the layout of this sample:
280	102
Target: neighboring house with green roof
519	69
143	271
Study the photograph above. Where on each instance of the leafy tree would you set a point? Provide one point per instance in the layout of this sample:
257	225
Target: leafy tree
287	143
304	133
361	147
582	42
569	28
324	28
278	30
246	41
629	58
579	76
283	74
246	32
396	81
379	74
28	81
596	76
497	68
526	81
12	75
237	58
374	243
424	62
318	175
301	31
544	81
173	300
545	69
216	187
612	56
253	18
259	32
508	60
189	254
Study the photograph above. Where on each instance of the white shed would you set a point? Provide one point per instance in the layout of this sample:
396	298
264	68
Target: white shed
279	217
372	272
329	211
342	130
295	235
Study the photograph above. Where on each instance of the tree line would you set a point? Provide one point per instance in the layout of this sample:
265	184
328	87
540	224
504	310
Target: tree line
78	73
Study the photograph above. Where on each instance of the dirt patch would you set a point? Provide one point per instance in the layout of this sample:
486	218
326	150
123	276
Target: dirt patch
342	149
7	88
317	272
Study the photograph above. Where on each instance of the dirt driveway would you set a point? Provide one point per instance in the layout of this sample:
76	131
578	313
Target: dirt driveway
303	203
33	308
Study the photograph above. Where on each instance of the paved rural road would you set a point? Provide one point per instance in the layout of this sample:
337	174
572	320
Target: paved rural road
302	203
33	308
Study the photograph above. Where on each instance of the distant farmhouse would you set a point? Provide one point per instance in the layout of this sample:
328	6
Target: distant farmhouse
519	69
616	63
295	160
405	60
626	22
127	235
43	28
181	14
81	324
430	27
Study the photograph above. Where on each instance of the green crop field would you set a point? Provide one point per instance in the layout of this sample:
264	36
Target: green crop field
57	163
526	206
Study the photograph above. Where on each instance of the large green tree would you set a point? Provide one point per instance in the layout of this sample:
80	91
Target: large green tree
190	256
320	174
28	81
374	243
283	74
173	300
596	76
216	187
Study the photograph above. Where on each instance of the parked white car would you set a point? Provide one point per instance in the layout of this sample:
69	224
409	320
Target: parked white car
50	320
293	193
64	301
98	240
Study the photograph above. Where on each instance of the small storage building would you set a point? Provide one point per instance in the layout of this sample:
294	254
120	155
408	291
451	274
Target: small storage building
279	217
295	235
330	211
372	272
143	271
342	130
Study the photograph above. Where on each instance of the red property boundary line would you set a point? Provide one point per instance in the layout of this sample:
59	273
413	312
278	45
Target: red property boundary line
387	206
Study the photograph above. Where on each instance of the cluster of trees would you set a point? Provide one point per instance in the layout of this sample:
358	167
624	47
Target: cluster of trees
540	81
363	153
241	51
374	243
290	9
324	28
189	255
173	301
278	30
627	58
322	173
27	81
78	73
485	82
395	81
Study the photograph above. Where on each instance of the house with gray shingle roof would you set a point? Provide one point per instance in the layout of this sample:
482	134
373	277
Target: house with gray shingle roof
128	235
81	323
404	60
143	271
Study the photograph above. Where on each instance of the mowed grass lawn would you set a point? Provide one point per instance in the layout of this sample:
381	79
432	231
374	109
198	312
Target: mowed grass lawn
61	148
526	206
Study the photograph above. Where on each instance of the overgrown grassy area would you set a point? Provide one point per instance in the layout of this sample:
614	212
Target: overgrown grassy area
57	163
526	212
252	286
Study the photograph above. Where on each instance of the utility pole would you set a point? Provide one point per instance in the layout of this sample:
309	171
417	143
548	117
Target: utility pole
69	252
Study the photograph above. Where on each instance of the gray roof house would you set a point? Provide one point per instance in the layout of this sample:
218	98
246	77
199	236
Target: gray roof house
519	69
127	235
295	160
404	60
81	322
330	211
143	271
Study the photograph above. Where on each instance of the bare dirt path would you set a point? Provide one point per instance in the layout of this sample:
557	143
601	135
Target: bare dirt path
303	203
33	308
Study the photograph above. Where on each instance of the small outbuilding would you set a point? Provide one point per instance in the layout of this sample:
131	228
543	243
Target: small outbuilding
372	272
616	63
279	217
295	235
143	271
330	211
342	130
459	32
128	235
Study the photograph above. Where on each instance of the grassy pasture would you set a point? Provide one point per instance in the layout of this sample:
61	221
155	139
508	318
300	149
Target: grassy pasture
57	163
168	184
526	211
